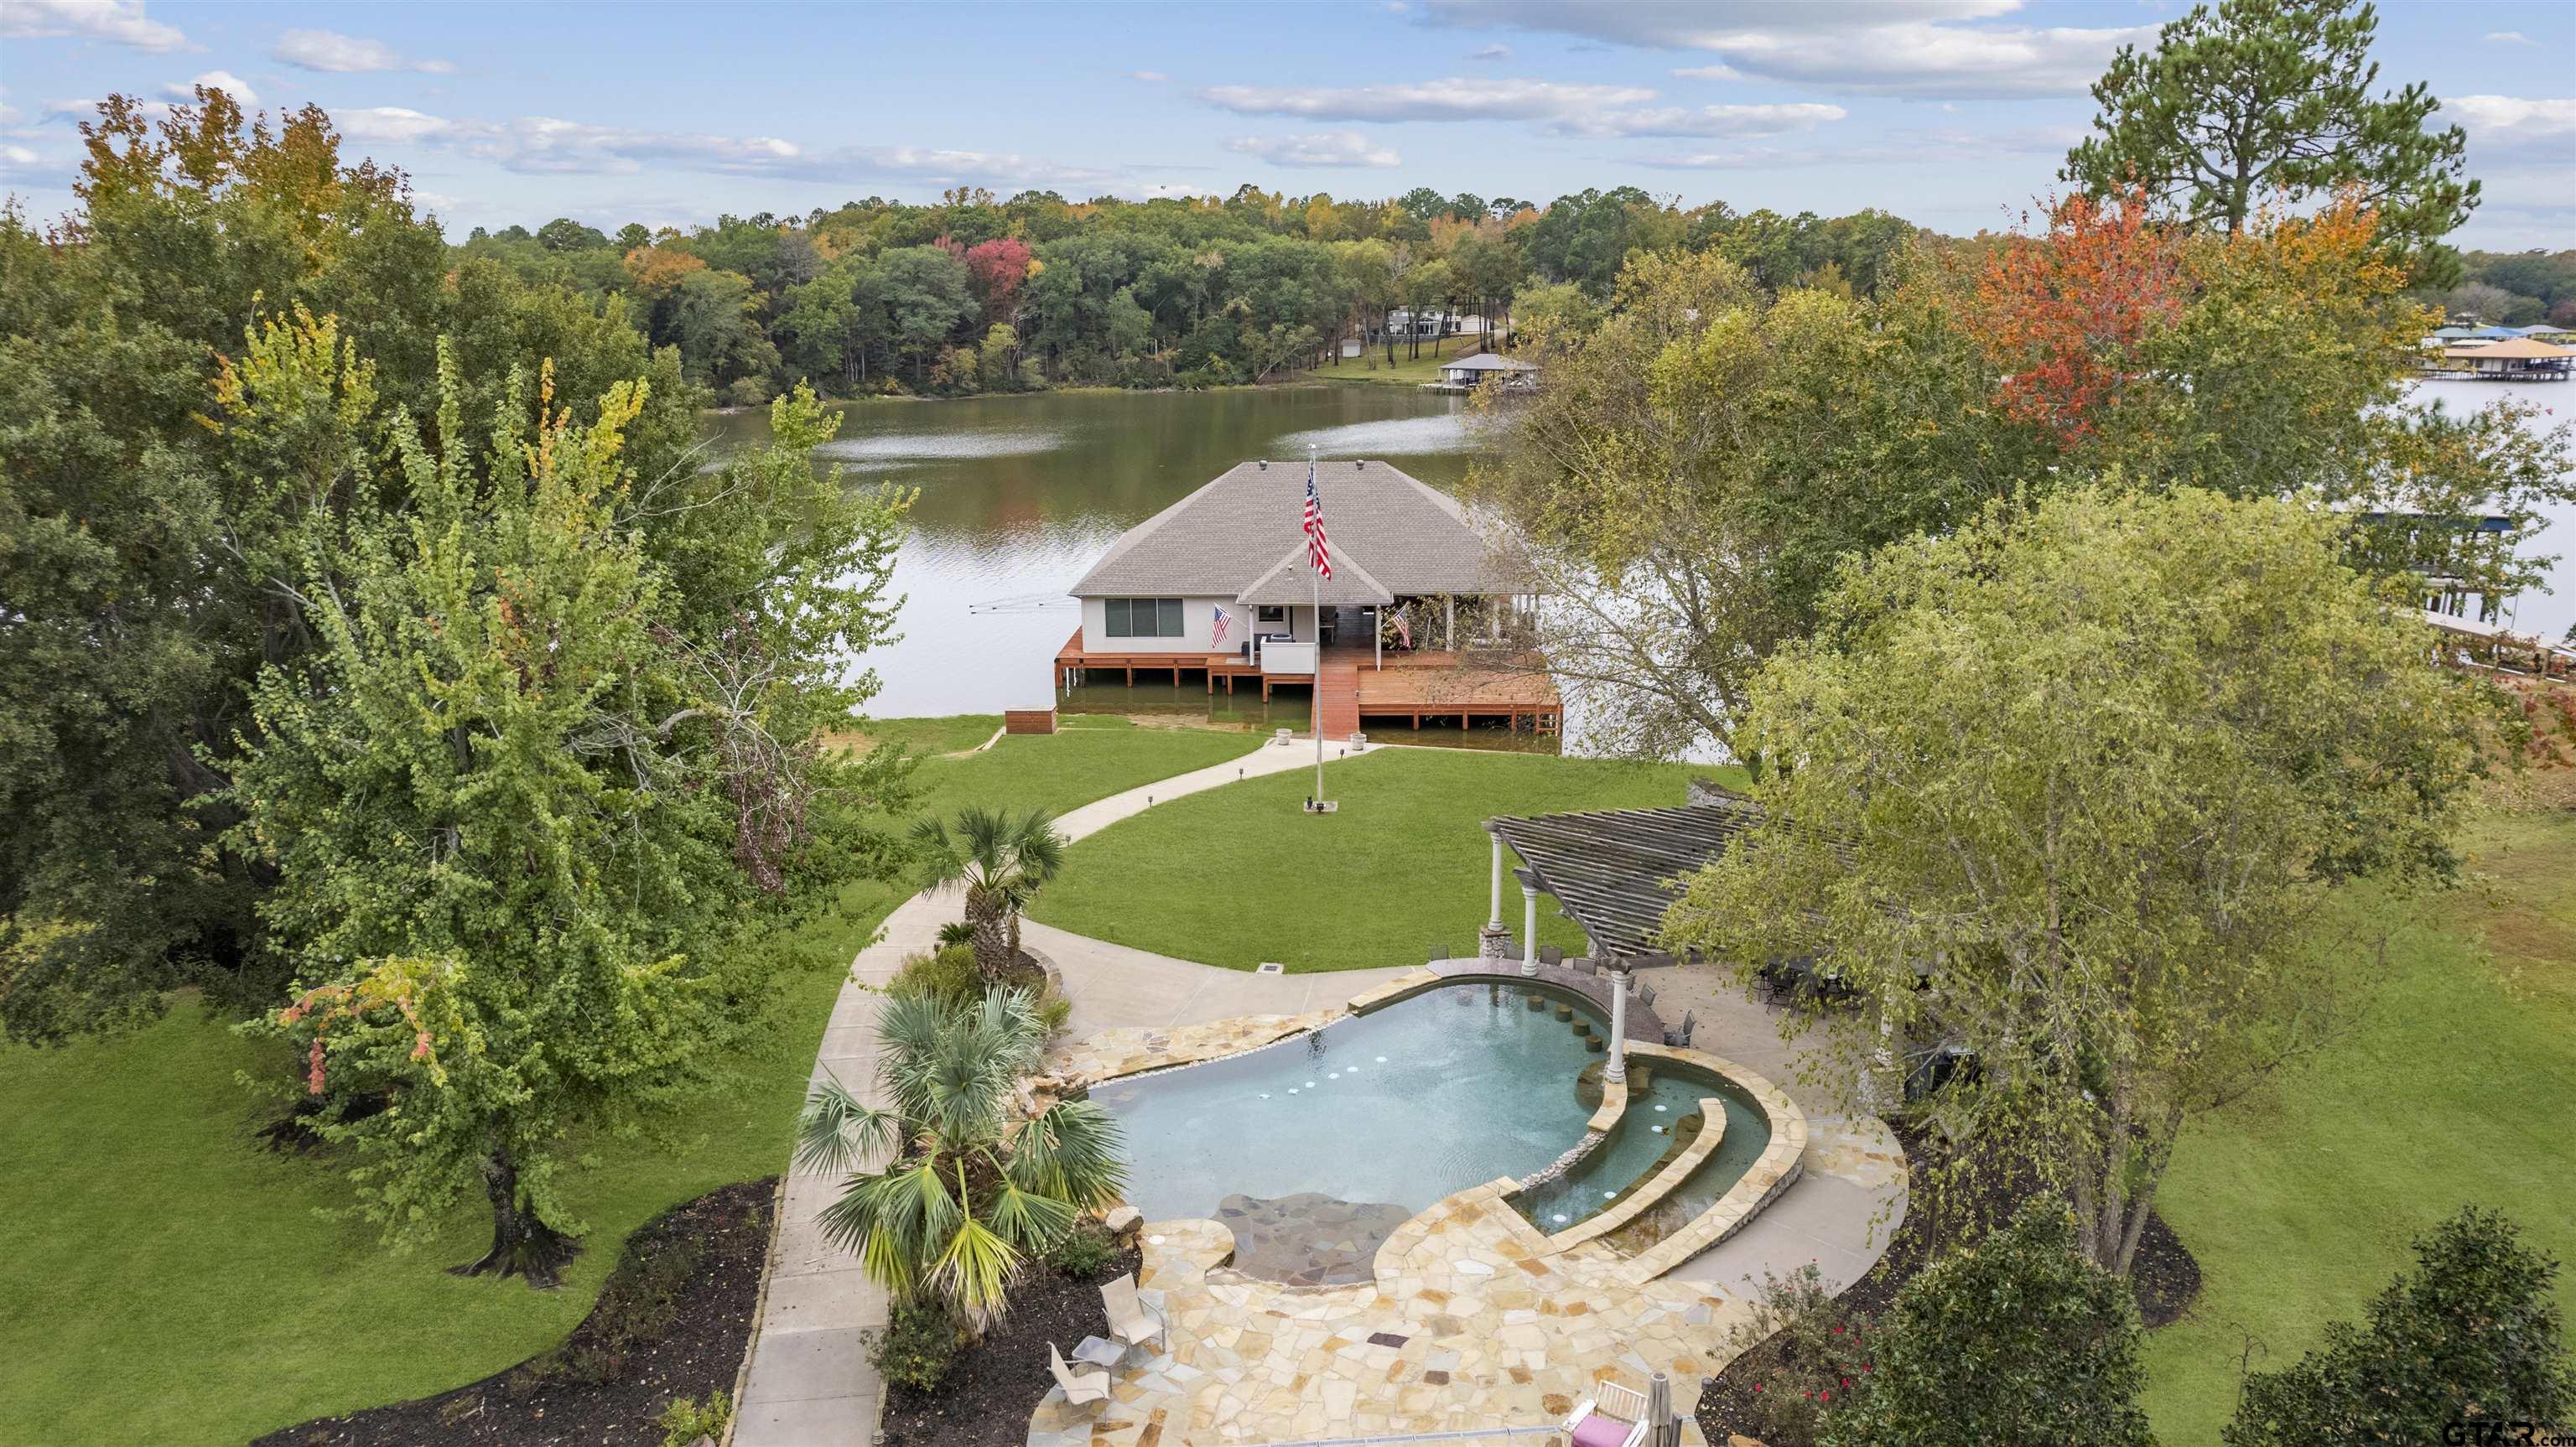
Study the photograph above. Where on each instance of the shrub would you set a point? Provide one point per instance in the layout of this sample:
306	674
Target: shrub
1084	1251
916	1346
747	392
1819	1351
684	1421
947	975
2471	1334
956	932
2017	1339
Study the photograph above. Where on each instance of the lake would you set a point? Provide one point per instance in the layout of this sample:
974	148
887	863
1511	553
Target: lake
1020	494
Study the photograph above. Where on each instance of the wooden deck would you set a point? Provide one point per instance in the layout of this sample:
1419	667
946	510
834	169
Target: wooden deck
1431	685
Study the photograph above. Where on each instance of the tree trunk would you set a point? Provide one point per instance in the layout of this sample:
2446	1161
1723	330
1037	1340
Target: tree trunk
992	945
522	1245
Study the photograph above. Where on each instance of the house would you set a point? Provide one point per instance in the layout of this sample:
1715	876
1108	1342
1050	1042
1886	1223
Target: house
1483	367
2517	359
1420	618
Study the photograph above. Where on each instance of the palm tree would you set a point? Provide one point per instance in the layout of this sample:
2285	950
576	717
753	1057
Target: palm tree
965	1192
1003	860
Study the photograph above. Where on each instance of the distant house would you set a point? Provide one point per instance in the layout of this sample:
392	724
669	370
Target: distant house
1485	367
2515	359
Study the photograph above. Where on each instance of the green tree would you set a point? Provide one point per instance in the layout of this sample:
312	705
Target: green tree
1001	860
1700	461
2264	99
964	1192
530	821
2068	788
2470	1335
2016	1339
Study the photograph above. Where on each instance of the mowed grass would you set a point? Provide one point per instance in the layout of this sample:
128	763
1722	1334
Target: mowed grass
2461	1087
168	1280
1239	875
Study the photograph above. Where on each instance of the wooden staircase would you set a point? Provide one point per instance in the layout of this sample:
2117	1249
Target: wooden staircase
1337	697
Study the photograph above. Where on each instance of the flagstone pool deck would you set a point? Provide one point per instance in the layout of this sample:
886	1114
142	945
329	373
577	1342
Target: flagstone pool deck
1473	1319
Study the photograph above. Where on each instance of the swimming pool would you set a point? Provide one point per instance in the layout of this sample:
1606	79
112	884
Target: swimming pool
1431	1095
1662	1118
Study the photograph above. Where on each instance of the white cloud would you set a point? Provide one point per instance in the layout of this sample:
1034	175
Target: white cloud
222	80
1454	99
1150	77
1905	147
1495	51
17	155
120	21
2509	37
1708	72
329	50
2500	122
1870	47
1728	120
88	109
550	145
1323	148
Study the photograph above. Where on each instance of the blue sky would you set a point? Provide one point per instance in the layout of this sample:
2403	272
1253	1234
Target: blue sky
1952	113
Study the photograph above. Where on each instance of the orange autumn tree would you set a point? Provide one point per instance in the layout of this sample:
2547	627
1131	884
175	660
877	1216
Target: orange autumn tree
2065	313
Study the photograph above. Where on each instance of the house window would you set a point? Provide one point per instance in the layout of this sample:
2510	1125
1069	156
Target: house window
1271	613
1144	617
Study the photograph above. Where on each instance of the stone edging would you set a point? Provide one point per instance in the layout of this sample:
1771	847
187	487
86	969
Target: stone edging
1770	1174
1712	1131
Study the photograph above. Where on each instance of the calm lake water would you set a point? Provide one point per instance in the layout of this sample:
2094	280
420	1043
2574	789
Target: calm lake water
1020	494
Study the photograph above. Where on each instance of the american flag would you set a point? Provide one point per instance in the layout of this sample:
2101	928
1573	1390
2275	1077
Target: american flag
1318	548
1216	630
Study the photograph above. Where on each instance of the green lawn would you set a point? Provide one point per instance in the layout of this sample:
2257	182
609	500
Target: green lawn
1240	875
167	1281
2461	1087
1407	371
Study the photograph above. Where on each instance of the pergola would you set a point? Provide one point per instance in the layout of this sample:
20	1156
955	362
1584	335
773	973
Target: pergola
1614	872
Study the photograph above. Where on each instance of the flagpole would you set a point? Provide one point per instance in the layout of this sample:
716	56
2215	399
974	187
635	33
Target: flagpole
1315	590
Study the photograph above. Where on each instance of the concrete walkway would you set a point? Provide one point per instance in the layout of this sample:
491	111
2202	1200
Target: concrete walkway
810	1383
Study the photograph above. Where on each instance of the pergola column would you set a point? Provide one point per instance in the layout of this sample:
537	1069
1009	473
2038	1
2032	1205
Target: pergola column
1494	914
1529	929
1617	1067
1494	942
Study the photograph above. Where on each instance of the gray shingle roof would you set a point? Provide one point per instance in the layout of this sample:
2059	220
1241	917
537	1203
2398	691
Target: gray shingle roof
1240	537
1486	362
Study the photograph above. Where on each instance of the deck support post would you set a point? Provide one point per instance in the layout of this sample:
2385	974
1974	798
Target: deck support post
1617	1067
1529	929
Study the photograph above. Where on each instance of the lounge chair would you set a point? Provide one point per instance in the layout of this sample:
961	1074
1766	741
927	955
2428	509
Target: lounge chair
1591	1426
1079	1387
1130	1319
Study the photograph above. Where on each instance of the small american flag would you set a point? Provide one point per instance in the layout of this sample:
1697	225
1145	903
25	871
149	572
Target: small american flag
1216	629
1318	548
1403	630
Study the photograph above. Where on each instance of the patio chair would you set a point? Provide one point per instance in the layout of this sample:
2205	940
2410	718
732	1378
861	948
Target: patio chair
1130	1319
1596	1422
1079	1387
1681	1034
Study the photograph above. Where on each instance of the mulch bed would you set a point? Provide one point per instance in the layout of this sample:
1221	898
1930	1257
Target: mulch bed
672	1321
987	1397
2163	1276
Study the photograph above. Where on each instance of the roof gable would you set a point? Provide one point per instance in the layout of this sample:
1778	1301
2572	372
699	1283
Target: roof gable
1396	534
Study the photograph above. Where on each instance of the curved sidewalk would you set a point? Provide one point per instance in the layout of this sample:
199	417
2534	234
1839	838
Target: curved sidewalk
810	1383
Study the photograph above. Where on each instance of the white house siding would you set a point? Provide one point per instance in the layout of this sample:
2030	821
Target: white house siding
1198	619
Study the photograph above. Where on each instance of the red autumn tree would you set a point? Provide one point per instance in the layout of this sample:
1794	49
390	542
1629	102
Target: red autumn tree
2064	312
997	268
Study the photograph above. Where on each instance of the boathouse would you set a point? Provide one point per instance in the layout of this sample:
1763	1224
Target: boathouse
1420	621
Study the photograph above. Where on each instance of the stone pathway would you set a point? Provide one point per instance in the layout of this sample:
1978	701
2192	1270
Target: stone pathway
810	1383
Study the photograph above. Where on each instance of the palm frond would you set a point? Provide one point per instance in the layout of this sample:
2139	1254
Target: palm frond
975	1271
837	1130
1030	1221
1072	1151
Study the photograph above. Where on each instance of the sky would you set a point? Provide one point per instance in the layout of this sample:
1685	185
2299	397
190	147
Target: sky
1951	113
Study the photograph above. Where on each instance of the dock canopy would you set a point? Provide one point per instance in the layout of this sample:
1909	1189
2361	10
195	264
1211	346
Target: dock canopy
1615	872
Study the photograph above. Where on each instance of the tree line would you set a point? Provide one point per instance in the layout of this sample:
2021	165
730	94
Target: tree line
975	294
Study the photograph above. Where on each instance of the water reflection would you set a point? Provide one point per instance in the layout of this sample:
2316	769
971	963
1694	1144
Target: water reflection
1019	495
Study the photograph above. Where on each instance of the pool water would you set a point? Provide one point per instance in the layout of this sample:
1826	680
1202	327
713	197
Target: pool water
1661	1119
1427	1097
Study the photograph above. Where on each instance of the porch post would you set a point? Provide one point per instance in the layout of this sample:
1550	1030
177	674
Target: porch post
1529	929
1377	636
1449	607
1617	1068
